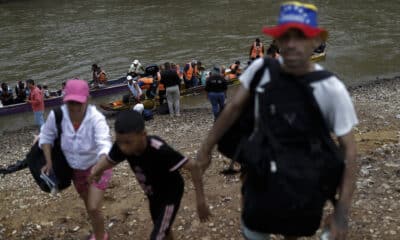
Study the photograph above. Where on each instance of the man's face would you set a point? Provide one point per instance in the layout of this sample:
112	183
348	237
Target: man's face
296	48
131	143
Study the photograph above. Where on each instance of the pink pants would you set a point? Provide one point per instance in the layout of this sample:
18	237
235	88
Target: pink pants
81	183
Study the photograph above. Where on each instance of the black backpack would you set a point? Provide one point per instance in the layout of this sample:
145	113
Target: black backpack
35	159
229	143
291	164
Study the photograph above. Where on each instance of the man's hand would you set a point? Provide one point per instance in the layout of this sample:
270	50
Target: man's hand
339	224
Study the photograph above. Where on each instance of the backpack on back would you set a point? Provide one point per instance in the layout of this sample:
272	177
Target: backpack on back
291	164
61	169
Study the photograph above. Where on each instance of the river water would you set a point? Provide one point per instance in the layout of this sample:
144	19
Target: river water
51	41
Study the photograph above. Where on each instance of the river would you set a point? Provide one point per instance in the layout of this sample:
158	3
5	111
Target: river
51	41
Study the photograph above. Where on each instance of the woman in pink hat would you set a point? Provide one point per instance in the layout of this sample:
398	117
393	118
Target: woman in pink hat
85	139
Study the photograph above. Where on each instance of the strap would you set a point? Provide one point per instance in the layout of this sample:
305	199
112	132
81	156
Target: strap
59	116
259	74
315	76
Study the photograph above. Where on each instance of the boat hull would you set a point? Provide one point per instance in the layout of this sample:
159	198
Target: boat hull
113	87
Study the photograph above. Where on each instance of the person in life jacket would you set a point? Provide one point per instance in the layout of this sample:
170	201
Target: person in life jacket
99	76
190	74
234	71
256	50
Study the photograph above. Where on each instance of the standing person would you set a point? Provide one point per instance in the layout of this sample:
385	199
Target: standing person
156	166
37	102
190	73
20	92
256	50
216	87
297	133
85	139
171	81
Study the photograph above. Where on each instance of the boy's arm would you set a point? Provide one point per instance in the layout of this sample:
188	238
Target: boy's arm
98	169
202	207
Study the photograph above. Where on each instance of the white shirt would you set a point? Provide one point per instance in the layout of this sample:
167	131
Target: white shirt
136	92
330	93
83	147
135	69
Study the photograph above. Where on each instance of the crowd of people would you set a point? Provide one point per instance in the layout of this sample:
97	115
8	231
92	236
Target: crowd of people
290	164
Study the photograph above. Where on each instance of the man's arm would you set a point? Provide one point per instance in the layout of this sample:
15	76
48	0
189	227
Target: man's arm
225	120
202	207
339	224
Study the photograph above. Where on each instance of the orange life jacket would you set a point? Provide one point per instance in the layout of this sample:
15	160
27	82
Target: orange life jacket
147	82
191	71
257	50
161	87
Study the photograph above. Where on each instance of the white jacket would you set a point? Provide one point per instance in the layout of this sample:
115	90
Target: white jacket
81	148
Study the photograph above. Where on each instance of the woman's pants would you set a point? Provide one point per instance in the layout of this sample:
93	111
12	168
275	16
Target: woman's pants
173	96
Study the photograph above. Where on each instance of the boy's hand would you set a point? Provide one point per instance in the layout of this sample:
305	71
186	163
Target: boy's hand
203	211
94	175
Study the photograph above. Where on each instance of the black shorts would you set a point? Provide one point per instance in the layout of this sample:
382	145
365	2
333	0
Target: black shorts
163	215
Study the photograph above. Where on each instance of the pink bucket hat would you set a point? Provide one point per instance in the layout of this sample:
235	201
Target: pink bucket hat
76	90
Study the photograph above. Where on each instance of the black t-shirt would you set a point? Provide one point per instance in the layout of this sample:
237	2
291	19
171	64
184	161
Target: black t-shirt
170	78
216	83
156	169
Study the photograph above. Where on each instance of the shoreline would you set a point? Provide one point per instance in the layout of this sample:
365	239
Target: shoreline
375	208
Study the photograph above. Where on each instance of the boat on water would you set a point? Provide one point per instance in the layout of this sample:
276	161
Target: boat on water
316	57
151	104
112	87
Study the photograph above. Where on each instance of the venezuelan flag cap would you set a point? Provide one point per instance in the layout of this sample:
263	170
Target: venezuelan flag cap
300	16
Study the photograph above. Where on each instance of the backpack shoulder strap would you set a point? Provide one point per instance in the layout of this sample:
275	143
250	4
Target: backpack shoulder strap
316	76
59	116
260	73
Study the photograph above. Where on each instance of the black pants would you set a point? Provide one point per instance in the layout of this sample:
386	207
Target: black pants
163	215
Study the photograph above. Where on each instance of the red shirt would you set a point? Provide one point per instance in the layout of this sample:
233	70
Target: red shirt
36	98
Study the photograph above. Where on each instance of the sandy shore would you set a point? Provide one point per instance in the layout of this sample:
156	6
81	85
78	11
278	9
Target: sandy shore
28	213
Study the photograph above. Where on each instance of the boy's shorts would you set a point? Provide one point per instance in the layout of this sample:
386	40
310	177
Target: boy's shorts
82	185
163	215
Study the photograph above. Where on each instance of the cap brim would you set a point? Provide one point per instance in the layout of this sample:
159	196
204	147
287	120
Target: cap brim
308	31
75	98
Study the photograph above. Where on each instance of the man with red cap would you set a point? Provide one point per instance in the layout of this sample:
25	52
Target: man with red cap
289	163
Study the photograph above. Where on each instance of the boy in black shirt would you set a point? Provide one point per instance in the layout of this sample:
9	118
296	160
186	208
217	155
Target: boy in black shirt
156	166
